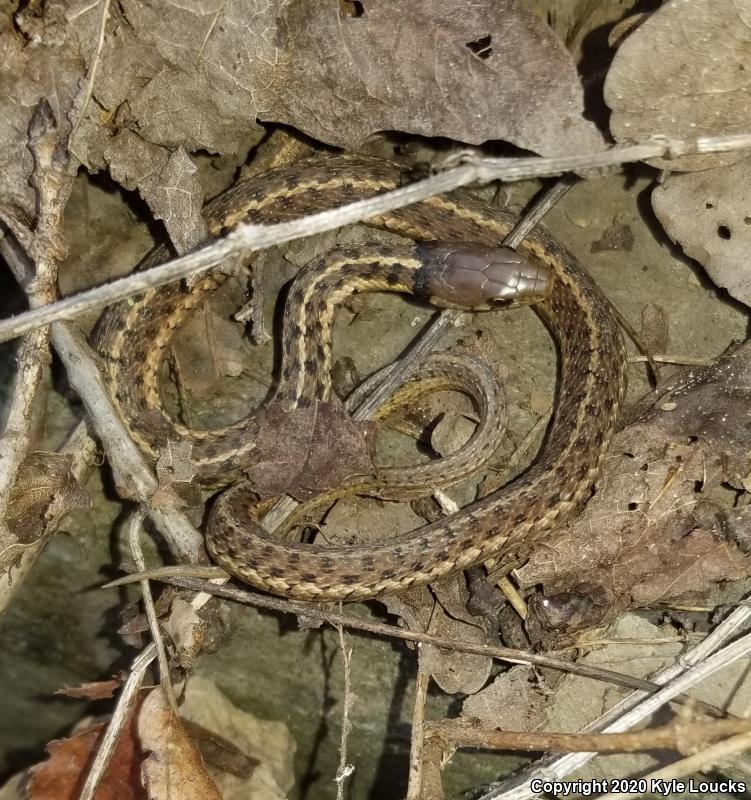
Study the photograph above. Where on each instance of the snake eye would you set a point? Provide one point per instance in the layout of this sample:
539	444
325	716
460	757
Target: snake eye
500	302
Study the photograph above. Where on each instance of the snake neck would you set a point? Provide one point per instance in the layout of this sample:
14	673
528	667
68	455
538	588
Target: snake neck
314	296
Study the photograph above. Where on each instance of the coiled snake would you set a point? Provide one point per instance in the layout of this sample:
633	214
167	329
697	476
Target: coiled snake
132	337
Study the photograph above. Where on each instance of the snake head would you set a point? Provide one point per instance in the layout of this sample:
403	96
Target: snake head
480	278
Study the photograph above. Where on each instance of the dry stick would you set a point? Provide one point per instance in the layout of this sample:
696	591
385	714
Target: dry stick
45	249
705	760
416	746
134	535
684	361
125	703
677	736
345	769
508	654
132	474
695	665
247	238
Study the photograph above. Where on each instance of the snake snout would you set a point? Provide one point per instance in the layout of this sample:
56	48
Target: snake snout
482	278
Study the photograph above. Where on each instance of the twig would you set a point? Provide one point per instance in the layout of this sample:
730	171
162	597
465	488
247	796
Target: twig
123	708
81	113
345	769
677	736
134	538
312	611
133	476
698	762
45	248
247	238
695	665
684	361
416	755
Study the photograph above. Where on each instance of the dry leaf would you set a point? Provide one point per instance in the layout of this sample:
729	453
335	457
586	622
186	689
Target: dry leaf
62	776
181	627
471	72
97	690
174	464
656	530
44	492
175	196
709	215
173	766
684	72
267	746
184	76
453	671
306	451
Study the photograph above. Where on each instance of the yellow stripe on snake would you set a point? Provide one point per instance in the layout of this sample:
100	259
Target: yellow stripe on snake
133	337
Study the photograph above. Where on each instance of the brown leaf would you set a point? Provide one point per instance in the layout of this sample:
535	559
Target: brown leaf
97	690
174	767
445	616
656	530
469	71
707	214
45	491
307	451
684	72
62	776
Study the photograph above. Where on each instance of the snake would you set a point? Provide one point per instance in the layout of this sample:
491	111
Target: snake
133	336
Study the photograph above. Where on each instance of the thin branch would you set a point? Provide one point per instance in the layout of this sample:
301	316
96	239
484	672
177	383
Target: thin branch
345	769
91	76
134	539
45	248
684	361
417	739
125	703
705	760
313	611
133	476
248	238
677	736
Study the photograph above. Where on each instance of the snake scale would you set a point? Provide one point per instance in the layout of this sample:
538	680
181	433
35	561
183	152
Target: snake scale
133	336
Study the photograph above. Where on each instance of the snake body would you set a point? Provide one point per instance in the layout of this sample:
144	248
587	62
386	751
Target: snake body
591	387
